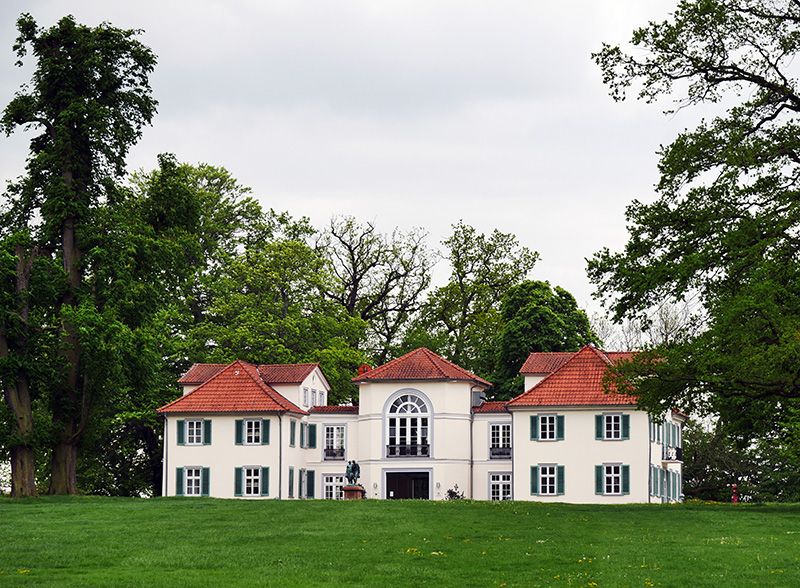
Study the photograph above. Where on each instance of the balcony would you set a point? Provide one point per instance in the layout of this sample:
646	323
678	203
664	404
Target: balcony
408	450
499	453
672	453
334	454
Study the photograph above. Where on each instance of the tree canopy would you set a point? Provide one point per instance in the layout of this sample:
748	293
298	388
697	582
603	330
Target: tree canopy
723	231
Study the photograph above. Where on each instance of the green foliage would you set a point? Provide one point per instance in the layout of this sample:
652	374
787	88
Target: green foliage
535	318
459	318
723	231
459	543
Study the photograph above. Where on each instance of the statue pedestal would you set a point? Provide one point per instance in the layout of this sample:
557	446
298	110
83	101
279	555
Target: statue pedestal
353	492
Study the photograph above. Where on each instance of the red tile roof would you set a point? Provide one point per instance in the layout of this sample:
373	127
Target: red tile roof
577	382
491	407
235	388
421	364
335	409
293	373
200	372
544	363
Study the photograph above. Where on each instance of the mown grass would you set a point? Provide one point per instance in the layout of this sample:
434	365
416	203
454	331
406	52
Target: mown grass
89	541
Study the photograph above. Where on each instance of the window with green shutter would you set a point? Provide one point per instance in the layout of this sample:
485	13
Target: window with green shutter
534	427
237	481
206	482
291	482
264	481
207	432
292	432
181	432
265	431
309	483
178	481
534	479
312	436
560	480
560	427
238	431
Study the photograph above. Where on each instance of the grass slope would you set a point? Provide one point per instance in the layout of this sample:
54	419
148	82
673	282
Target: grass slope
90	541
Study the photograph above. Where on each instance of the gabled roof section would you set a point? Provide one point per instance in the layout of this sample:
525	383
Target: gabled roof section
236	388
545	363
421	364
293	373
201	372
492	406
579	381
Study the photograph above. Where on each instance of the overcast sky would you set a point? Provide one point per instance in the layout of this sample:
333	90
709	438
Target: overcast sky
406	113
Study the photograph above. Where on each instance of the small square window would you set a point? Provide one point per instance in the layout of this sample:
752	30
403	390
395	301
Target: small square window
194	432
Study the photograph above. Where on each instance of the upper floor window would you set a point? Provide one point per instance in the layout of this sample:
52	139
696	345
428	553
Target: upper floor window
547	427
612	427
313	397
252	432
305	396
500	441
408	427
194	432
334	442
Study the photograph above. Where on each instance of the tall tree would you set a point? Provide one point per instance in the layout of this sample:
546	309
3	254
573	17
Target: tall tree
535	318
724	227
90	97
377	278
461	317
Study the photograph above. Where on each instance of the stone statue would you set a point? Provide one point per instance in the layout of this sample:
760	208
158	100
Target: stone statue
353	472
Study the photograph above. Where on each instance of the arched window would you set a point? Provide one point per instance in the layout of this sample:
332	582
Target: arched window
408	421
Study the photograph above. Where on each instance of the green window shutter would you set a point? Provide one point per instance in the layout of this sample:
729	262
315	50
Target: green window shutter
534	479
264	481
179	481
560	427
264	431
560	479
626	426
312	436
598	479
598	426
534	428
205	481
238	434
237	481
206	431
626	479
310	484
181	432
292	432
291	482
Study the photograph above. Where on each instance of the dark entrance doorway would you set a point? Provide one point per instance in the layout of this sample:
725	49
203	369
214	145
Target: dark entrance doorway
408	485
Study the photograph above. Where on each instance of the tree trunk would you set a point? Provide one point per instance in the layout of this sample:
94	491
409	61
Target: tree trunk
63	466
23	472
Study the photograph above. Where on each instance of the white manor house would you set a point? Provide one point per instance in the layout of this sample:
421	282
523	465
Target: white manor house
422	427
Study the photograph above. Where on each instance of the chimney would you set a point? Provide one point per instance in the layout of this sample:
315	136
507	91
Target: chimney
363	369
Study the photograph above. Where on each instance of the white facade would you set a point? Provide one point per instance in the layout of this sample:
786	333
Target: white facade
416	436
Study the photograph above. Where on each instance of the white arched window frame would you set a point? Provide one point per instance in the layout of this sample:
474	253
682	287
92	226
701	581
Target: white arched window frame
408	424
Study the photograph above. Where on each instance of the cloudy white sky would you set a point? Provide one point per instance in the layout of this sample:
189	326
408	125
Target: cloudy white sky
407	113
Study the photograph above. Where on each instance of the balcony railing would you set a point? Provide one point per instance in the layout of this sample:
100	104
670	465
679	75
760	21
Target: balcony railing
670	453
499	453
334	454
408	450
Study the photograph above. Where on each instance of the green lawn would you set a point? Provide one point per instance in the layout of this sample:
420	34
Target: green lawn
88	541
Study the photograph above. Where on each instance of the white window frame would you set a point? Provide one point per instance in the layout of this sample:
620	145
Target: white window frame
194	431
305	396
612	427
304	435
321	398
313	397
548	479
548	424
333	487
193	481
612	479
252	432
408	421
499	435
335	437
251	481
500	486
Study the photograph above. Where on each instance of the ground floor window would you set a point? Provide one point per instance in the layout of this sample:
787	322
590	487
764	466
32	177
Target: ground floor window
547	479
332	487
251	481
500	486
192	481
612	479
